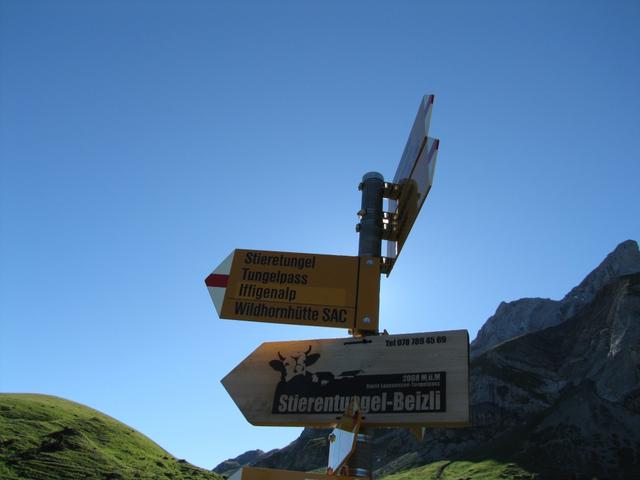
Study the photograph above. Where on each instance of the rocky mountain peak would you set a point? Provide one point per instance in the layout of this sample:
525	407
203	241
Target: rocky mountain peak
624	260
527	315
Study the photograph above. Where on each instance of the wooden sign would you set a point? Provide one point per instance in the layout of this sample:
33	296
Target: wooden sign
253	473
297	288
414	176
400	380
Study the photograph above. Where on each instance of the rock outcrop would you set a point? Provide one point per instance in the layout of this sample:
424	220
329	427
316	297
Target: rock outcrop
528	315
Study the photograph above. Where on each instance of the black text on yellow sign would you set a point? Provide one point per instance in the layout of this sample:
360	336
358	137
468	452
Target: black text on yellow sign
294	288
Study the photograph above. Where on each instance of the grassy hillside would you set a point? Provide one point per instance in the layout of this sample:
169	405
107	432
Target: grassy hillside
461	470
43	437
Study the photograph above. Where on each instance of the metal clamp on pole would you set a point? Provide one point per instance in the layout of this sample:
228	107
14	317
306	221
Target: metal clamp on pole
391	191
386	265
389	226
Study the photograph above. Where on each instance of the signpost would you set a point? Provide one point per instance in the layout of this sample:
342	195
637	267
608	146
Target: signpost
399	380
414	380
296	288
412	181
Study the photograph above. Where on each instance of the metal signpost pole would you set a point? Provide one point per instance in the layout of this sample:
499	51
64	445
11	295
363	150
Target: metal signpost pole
369	245
370	226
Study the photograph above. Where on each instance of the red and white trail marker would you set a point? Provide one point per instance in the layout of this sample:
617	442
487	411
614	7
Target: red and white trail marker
217	282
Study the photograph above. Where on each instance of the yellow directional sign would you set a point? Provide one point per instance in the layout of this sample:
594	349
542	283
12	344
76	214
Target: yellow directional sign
297	288
253	473
399	380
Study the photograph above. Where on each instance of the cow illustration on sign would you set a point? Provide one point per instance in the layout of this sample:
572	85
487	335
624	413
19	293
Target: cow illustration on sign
293	369
294	366
294	363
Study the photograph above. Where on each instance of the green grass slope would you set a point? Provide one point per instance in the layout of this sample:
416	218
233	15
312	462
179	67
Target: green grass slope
43	437
463	470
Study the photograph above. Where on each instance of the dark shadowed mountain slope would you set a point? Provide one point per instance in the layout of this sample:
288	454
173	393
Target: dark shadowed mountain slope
568	395
49	438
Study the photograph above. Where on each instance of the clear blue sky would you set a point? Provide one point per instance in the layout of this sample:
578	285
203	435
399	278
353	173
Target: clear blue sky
142	141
